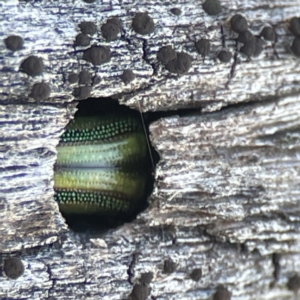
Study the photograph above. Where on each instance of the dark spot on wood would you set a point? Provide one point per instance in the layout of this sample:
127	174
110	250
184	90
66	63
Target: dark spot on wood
143	24
276	273
146	278
258	46
295	26
268	33
294	283
248	48
224	56
96	80
140	292
32	66
116	21
13	267
40	91
73	78
130	270
203	47
82	39
110	31
88	27
85	77
82	92
127	76
276	258
165	54
196	274
212	7
296	46
181	64
238	23
14	43
222	294
253	47
245	37
97	55
169	266
175	11
253	158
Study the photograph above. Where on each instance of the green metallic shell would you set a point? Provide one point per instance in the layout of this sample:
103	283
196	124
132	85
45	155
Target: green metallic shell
102	165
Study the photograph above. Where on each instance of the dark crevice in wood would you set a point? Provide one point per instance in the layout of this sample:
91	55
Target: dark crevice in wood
276	264
146	59
197	111
223	37
130	270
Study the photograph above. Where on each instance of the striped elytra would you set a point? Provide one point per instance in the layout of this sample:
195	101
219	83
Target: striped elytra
102	167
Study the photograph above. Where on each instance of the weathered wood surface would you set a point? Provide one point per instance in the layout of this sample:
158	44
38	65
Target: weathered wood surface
226	196
210	84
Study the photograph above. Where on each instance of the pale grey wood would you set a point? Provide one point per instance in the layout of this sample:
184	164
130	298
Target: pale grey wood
226	196
28	137
51	29
235	172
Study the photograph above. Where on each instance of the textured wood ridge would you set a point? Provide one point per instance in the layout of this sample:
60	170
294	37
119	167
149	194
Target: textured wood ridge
226	196
237	176
29	135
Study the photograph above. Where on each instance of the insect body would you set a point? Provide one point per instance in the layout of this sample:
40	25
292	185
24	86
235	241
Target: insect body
101	166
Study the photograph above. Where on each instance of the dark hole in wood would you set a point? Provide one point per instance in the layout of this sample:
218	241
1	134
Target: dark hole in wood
295	26
181	64
82	39
97	55
175	11
245	37
296	46
196	274
127	76
169	266
222	294
85	77
110	31
146	278
140	292
14	42
13	267
203	47
40	91
143	24
224	56
88	220
73	78
212	7
33	66
166	54
268	33
294	283
238	23
82	92
87	27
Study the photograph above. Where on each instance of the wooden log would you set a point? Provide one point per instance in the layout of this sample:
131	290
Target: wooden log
225	208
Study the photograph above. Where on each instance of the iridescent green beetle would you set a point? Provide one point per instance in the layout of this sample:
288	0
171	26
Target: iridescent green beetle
102	166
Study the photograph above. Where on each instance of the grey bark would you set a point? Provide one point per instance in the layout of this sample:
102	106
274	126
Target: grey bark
226	196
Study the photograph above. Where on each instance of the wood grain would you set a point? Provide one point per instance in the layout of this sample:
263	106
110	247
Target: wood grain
226	195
